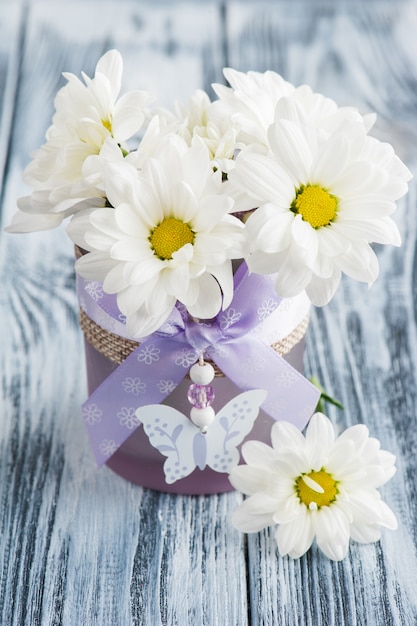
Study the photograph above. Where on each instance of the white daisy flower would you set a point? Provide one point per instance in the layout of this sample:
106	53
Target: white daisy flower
154	141
321	198
86	115
315	487
169	237
251	100
255	100
207	120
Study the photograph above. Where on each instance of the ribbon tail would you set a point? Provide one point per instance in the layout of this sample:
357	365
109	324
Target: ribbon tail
147	376
252	364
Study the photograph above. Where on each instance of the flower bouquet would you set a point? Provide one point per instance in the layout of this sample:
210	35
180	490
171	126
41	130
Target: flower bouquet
200	250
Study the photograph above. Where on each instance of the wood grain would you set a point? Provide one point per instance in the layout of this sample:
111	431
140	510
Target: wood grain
84	547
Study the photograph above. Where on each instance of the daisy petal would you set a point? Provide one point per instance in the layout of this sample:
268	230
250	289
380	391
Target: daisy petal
209	300
332	532
128	114
319	437
224	276
332	160
254	513
293	276
249	480
269	227
115	280
360	262
111	65
263	179
94	266
295	538
381	230
306	238
288	142
285	436
258	453
27	223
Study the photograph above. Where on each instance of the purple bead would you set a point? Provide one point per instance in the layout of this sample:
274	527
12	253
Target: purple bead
200	396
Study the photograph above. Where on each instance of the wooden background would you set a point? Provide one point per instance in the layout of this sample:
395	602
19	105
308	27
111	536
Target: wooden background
83	547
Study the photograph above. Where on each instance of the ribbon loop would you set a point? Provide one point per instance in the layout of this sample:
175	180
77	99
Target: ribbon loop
201	335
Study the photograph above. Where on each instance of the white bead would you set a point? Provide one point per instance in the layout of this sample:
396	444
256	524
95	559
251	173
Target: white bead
202	374
202	417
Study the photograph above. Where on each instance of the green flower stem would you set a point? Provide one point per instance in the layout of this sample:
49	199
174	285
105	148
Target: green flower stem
324	396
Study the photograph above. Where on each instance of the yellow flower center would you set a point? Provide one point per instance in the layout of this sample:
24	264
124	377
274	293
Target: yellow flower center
316	489
107	125
169	236
316	206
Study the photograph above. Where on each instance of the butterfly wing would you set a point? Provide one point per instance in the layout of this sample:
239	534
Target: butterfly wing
233	422
172	433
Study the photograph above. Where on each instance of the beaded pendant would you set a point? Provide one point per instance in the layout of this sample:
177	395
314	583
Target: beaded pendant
201	394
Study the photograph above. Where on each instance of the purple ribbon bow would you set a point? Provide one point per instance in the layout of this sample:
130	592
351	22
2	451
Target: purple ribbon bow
153	370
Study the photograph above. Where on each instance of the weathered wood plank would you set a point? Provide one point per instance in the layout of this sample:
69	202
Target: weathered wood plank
363	345
10	37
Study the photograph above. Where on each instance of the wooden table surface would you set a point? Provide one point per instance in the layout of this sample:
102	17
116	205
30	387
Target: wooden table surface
80	546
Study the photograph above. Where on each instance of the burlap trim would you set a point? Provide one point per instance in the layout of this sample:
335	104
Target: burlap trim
117	349
110	345
285	345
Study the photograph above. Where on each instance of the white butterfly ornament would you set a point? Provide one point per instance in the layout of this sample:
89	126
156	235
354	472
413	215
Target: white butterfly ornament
188	446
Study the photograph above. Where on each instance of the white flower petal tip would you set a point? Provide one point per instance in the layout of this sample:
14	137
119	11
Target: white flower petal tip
31	222
315	487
